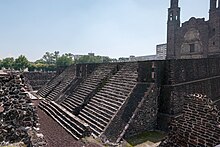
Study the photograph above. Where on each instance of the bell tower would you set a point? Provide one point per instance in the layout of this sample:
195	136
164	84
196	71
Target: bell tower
214	23
173	23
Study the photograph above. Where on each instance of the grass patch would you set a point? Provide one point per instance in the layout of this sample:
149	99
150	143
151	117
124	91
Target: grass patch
152	136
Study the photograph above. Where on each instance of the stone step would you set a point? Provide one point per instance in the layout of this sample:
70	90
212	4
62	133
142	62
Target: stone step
66	106
76	121
114	96
89	86
82	94
118	85
98	110
110	98
74	98
122	89
95	130
59	121
113	109
117	94
93	123
100	107
72	104
77	95
106	102
77	129
84	90
121	81
97	114
102	122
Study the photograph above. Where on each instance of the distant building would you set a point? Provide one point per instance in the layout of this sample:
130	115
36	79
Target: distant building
91	54
143	58
76	57
161	51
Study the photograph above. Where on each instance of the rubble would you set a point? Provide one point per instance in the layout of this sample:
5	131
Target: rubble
18	116
196	126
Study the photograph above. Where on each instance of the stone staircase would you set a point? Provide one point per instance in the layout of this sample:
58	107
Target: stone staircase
76	127
75	100
58	83
70	79
102	108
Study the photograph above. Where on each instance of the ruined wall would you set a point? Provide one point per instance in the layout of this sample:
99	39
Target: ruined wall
145	70
38	79
83	70
19	119
125	113
145	116
183	77
192	40
198	124
139	112
179	71
196	38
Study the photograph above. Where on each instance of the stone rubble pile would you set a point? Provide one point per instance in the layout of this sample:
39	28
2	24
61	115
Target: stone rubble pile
18	116
198	125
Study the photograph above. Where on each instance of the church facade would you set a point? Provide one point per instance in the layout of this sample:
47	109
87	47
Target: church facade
195	38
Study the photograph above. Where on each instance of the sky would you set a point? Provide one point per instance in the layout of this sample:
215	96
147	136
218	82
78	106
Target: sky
114	28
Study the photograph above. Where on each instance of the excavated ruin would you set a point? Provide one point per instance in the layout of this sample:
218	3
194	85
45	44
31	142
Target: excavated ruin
94	99
135	97
198	125
18	116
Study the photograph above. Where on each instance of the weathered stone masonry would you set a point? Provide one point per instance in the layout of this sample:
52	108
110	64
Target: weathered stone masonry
38	79
198	124
125	95
196	38
183	77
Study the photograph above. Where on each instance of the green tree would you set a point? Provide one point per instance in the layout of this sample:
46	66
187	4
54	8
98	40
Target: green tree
49	58
106	59
56	55
8	63
122	59
40	61
64	60
21	63
90	59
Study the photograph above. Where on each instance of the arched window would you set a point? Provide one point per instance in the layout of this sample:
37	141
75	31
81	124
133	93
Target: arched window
171	16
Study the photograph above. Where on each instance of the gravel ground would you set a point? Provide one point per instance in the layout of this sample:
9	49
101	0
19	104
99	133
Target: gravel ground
55	135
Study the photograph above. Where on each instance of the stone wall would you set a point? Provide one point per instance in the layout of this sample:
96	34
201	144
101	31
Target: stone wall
183	77
145	116
198	124
83	70
195	38
179	71
38	79
19	119
125	113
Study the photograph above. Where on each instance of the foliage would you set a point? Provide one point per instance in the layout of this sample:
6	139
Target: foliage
122	59
64	60
50	61
50	58
8	63
90	59
21	63
40	61
106	59
41	67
